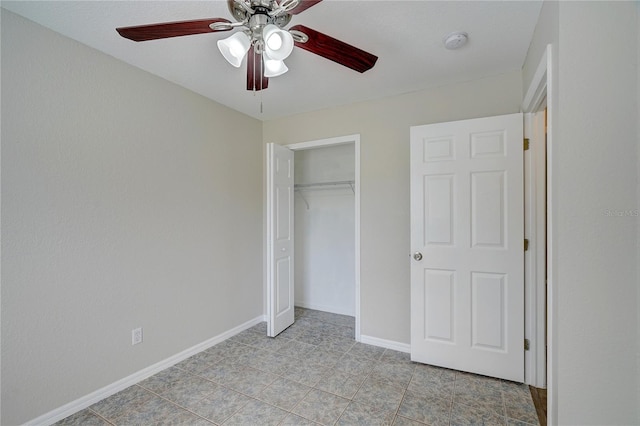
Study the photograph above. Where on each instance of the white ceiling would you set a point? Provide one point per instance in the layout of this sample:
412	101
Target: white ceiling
407	36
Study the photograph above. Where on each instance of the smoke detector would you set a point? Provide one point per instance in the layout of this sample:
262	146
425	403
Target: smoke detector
455	40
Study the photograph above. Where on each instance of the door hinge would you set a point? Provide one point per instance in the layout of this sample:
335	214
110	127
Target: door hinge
526	144
526	244
526	344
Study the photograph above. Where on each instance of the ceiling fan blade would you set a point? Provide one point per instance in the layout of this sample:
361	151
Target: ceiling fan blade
255	71
335	50
170	29
303	5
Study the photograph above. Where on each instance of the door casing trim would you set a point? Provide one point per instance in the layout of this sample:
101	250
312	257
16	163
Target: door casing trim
540	90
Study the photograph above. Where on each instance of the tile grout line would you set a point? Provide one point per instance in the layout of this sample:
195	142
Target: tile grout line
102	417
182	406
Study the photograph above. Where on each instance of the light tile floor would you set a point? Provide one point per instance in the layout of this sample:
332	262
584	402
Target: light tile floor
313	373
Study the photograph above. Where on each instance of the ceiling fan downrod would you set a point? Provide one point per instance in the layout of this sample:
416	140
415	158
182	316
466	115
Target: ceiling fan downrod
276	13
255	16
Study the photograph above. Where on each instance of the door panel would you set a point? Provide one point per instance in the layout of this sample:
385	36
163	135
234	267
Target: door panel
467	289
487	209
439	204
283	280
439	302
488	310
280	284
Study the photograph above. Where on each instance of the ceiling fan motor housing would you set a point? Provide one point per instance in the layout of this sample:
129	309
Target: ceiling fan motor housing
258	21
244	11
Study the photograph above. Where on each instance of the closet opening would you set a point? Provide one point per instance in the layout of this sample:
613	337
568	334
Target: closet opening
327	226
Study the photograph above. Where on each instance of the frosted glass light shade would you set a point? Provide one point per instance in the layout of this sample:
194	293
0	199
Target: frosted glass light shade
234	48
273	68
278	43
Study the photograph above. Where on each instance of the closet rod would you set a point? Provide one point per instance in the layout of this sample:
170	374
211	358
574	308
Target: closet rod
303	186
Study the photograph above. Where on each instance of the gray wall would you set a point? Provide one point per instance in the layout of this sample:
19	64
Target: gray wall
125	203
384	179
638	199
595	181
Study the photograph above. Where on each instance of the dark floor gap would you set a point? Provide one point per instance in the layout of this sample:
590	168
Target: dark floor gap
539	397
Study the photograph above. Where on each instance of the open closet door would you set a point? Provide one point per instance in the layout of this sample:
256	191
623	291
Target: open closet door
280	211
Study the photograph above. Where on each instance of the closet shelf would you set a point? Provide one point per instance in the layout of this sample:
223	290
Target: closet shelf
298	187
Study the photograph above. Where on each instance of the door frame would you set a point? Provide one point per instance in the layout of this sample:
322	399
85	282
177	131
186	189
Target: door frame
344	140
535	256
539	93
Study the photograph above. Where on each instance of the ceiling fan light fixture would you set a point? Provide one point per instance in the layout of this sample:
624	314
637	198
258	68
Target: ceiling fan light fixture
278	43
275	41
273	68
234	48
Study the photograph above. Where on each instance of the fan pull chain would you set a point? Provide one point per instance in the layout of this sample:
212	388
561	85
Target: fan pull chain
261	88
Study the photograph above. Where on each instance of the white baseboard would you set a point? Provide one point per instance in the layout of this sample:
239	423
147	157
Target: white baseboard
389	344
90	399
324	308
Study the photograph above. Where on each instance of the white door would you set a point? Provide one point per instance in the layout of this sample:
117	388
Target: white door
280	210
467	232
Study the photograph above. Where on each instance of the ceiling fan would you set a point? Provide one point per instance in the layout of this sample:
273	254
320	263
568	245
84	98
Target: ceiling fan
262	38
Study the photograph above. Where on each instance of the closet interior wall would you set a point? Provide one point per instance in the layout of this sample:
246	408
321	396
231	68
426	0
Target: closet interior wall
325	229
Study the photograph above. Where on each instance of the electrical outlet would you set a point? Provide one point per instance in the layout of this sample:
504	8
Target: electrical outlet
136	336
